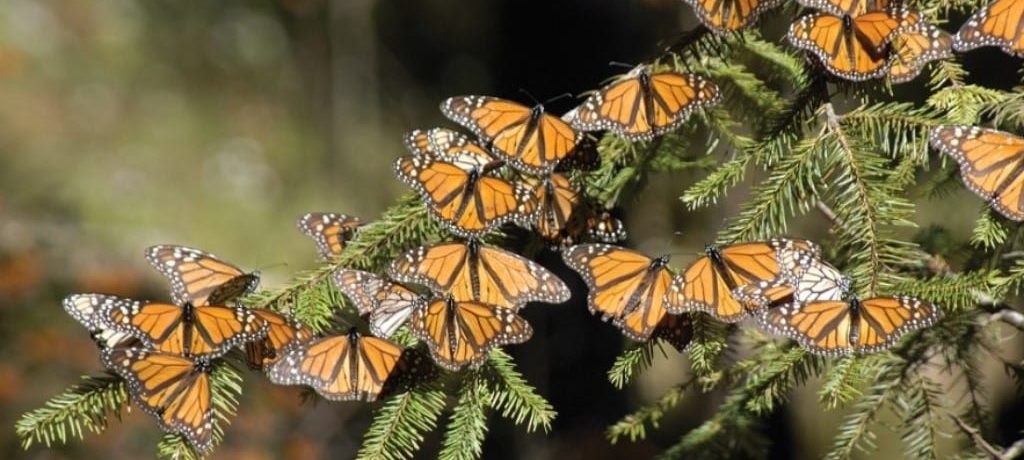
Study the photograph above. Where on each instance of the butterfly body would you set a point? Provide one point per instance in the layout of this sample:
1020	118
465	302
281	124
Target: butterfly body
461	333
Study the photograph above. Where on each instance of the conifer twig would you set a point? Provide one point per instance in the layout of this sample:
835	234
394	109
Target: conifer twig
1015	450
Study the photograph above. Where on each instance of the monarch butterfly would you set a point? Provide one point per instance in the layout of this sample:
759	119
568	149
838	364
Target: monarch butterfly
281	332
330	231
707	284
460	333
997	24
840	327
196	331
677	330
725	16
341	368
388	303
469	202
914	46
528	138
198	277
604	227
448	145
850	36
991	163
584	158
85	308
472	271
814	280
642	104
626	286
558	199
175	389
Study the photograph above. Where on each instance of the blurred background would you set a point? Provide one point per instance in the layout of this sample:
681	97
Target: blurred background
215	124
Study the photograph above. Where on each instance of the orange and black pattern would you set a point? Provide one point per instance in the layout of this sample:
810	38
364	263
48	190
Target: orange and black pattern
991	164
198	277
329	230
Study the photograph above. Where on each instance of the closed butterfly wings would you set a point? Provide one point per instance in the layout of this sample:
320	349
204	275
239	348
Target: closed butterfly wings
341	367
557	200
198	277
388	303
282	331
329	230
462	333
723	16
473	271
991	164
643	105
173	388
625	286
1000	23
528	138
448	145
469	202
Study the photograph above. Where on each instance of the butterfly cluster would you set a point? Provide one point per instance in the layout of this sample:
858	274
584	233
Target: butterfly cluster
861	40
780	283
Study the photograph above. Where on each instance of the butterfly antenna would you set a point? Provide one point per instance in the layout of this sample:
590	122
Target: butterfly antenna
558	97
621	65
527	93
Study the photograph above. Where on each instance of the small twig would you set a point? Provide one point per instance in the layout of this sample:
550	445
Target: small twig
828	212
1014	451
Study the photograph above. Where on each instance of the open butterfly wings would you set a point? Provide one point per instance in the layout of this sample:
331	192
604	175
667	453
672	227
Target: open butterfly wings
389	304
174	389
341	368
838	327
198	277
207	331
991	164
529	139
916	45
625	286
724	16
330	231
472	271
469	203
1000	23
461	333
708	284
642	105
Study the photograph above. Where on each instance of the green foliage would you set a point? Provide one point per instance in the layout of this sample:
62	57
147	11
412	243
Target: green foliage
82	407
399	424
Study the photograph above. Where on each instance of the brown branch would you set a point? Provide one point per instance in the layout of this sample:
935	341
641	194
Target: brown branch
1014	451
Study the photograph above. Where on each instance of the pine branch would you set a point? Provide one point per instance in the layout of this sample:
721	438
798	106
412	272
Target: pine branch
464	436
842	382
918	411
630	363
398	425
513	397
83	407
634	426
1014	451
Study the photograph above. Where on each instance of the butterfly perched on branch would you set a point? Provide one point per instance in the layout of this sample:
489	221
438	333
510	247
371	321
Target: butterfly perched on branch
387	303
724	16
991	164
199	277
329	230
462	333
644	104
528	138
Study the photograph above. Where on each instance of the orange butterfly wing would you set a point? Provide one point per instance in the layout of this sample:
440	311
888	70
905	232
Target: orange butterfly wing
991	164
199	277
172	388
883	320
530	139
1000	23
330	231
340	368
916	45
471	271
625	286
558	199
724	16
464	333
281	332
448	145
